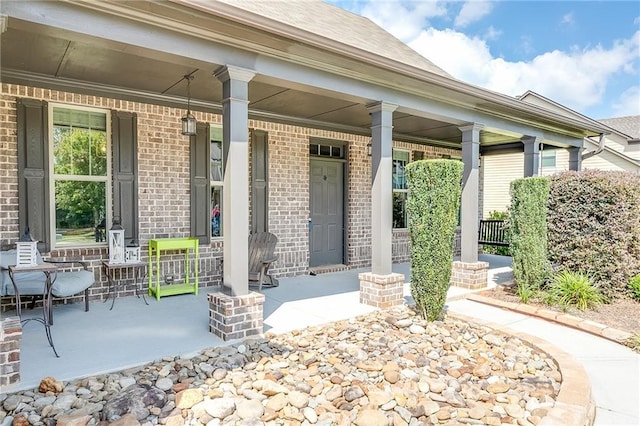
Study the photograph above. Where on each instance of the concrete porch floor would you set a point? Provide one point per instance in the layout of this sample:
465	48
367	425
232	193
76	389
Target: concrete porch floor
132	334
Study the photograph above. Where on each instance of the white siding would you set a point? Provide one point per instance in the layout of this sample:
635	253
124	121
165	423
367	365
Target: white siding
608	161
499	171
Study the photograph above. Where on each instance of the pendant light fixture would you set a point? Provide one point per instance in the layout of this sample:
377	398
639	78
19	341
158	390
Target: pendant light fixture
188	120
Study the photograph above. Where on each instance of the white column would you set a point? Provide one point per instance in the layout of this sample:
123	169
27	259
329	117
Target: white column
531	156
235	198
381	186
470	188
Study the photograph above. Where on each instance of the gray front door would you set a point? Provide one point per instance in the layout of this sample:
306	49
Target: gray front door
327	223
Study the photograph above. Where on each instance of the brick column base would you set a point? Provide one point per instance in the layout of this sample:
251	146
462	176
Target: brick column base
236	317
381	291
10	338
469	275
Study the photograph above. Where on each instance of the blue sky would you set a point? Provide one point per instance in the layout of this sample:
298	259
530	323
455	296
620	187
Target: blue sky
582	54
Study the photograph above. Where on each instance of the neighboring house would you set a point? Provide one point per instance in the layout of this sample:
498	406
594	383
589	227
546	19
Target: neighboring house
287	95
621	151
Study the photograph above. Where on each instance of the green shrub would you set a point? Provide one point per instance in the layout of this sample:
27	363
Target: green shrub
501	250
634	286
574	289
432	208
594	226
528	234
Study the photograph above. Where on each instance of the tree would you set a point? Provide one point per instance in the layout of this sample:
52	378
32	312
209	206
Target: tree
80	155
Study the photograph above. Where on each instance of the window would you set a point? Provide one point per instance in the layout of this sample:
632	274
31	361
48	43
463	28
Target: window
217	180
548	159
80	173
400	160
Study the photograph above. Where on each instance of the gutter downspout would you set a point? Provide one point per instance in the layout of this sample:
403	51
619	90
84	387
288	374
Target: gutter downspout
597	151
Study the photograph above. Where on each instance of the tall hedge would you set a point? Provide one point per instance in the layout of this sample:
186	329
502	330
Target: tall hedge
434	187
594	226
528	234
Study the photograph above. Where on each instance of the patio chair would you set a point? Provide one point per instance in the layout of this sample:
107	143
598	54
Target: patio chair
262	246
32	283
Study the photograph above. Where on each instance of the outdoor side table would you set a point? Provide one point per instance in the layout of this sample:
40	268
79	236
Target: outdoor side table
139	272
48	270
189	248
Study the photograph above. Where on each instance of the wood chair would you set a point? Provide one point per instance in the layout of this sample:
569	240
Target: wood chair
262	246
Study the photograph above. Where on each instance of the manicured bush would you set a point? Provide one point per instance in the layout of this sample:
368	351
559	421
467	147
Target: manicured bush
634	286
434	187
528	234
594	226
574	289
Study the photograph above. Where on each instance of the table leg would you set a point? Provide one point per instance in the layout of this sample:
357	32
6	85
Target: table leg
112	292
139	282
48	313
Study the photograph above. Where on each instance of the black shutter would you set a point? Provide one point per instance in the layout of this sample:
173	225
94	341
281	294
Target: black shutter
124	138
259	184
33	170
200	170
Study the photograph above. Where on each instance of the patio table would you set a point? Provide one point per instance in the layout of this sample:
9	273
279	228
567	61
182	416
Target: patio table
48	270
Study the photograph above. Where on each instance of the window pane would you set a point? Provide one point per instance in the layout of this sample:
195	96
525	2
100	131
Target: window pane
79	152
80	211
216	211
399	210
79	143
548	158
400	160
216	161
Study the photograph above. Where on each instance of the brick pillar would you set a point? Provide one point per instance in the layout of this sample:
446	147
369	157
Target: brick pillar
469	275
236	317
381	291
10	338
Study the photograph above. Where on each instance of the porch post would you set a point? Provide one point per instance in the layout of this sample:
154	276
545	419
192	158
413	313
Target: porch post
235	197
381	186
575	158
531	156
470	186
235	313
468	272
381	287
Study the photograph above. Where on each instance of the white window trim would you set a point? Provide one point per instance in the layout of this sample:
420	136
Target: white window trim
399	190
108	179
217	183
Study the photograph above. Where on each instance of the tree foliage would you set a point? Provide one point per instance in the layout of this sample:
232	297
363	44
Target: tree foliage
79	155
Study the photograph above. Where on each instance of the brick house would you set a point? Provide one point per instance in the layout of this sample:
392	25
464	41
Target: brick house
290	97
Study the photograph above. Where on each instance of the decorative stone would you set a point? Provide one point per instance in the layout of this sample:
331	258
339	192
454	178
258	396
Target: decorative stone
188	398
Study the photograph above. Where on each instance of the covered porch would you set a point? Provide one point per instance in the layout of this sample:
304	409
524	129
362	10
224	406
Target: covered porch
133	334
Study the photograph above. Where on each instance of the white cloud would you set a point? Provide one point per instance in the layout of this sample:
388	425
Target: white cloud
577	79
472	11
568	19
404	20
492	33
628	103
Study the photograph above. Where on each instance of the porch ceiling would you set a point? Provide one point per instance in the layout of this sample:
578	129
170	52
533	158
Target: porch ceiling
60	55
